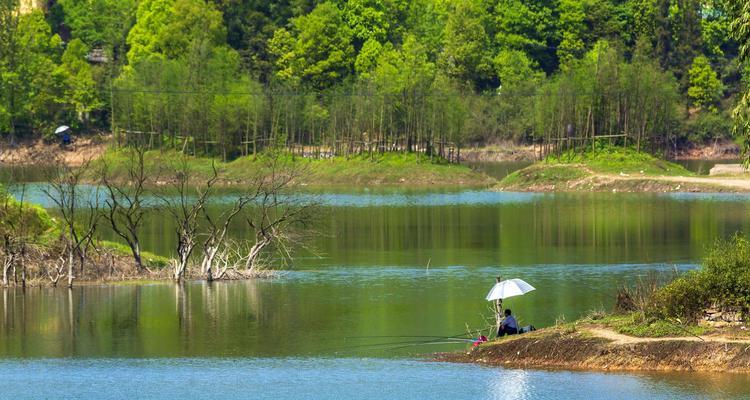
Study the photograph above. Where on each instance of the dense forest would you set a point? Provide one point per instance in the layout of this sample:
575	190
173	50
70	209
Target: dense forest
230	77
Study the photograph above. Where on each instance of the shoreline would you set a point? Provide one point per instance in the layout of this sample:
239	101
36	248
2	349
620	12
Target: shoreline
593	347
635	184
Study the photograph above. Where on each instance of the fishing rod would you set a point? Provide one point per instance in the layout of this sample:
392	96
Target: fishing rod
458	335
407	343
426	340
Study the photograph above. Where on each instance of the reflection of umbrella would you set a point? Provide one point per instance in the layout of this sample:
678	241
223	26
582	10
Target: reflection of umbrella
509	288
61	129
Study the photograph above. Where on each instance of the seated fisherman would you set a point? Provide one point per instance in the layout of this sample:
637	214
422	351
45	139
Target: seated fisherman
509	326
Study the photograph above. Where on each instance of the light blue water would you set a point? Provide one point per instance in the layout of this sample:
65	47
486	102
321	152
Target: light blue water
323	378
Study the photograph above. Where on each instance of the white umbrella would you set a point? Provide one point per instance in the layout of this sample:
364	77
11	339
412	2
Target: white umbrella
509	288
61	129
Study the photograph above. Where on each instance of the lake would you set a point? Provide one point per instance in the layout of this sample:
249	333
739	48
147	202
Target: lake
393	276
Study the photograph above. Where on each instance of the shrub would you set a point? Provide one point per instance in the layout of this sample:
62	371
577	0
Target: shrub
684	298
708	126
724	281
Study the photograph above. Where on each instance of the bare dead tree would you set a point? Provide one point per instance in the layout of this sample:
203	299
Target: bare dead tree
78	209
186	210
278	219
229	258
216	235
56	271
125	202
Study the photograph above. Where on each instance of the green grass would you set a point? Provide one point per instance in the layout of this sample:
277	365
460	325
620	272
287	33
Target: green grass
616	160
606	160
149	259
382	169
545	174
23	218
635	324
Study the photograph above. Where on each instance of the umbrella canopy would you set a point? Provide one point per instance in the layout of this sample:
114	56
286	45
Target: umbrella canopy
509	288
61	129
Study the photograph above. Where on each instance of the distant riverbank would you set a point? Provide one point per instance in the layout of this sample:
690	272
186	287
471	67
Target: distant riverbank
390	169
615	170
386	170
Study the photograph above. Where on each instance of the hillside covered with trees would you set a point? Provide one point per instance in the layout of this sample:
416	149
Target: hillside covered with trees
229	77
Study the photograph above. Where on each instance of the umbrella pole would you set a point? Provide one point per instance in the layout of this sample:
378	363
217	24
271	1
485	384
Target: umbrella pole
498	308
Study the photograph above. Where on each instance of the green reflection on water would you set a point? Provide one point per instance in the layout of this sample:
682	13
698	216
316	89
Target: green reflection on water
553	229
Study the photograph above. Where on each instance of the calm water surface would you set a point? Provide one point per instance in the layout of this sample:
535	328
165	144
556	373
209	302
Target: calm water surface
386	267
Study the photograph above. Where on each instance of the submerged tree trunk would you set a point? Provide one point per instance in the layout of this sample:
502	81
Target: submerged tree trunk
71	262
7	264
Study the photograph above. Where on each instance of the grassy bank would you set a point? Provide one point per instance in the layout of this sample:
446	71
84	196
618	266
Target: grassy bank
594	347
607	169
391	169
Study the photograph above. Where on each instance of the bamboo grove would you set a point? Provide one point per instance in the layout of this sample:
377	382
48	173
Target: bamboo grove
166	105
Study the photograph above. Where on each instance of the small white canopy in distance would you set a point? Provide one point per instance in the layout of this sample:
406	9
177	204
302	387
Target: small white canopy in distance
509	288
61	129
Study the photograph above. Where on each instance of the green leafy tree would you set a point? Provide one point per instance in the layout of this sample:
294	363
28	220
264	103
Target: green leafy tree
529	27
81	91
467	52
317	51
367	20
516	70
168	28
740	29
29	93
705	89
99	23
571	26
368	57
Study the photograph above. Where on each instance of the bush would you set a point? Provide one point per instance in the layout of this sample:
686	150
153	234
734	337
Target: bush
724	281
684	298
709	126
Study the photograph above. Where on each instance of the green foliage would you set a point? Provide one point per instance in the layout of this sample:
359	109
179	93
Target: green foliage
723	280
388	169
150	260
591	96
318	51
466	52
24	222
32	91
508	68
367	19
705	87
529	27
636	324
167	29
709	126
607	159
544	174
80	91
571	46
99	22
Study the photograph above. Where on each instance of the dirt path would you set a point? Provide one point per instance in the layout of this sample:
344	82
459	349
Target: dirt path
742	184
618	338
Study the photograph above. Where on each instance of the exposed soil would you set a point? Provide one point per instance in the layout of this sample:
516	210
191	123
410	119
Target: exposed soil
39	152
499	153
722	150
599	348
596	182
